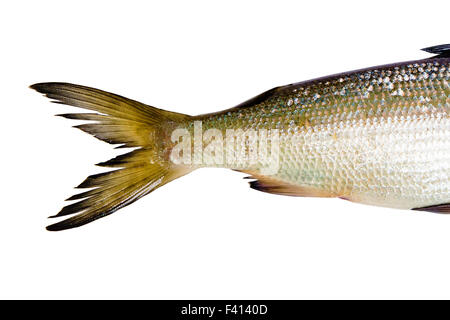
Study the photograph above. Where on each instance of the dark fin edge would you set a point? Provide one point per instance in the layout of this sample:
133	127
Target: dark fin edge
440	208
118	121
442	50
272	185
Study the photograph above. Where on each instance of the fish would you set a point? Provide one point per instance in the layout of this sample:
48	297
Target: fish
378	136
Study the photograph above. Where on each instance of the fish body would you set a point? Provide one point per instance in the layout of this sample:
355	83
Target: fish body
378	136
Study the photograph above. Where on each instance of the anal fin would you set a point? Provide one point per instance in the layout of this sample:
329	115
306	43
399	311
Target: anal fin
442	50
440	208
276	186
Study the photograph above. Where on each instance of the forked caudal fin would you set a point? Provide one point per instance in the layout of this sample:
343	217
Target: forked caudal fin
117	120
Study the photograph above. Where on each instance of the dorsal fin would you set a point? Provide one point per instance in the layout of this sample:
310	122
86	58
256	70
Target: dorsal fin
275	186
442	50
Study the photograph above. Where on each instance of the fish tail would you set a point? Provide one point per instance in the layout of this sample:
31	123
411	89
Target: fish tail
128	123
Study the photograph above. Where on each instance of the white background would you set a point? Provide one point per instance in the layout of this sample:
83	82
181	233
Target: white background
206	235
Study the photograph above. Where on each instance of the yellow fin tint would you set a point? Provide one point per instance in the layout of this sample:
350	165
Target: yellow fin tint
124	122
275	186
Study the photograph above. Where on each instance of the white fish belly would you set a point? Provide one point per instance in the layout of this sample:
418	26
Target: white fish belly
399	162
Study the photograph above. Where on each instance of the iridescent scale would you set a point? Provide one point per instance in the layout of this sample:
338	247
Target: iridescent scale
379	136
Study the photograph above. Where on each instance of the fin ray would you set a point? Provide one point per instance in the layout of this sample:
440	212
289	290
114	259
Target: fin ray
442	50
128	123
440	208
276	186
